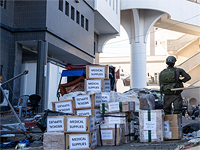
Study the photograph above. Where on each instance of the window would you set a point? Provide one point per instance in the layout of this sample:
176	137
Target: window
72	12
82	21
61	5
77	17
67	8
86	24
113	4
3	3
116	6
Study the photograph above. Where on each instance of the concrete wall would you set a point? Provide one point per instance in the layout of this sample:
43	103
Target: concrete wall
29	14
6	46
53	79
7	13
28	82
62	25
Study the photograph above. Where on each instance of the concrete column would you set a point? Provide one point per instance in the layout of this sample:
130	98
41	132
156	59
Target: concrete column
17	71
41	73
138	65
138	23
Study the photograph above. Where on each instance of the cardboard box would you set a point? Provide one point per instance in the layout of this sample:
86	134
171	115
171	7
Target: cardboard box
105	97
97	71
113	107
81	141
118	118
87	101
87	112
174	120
57	142
151	125
97	85
110	134
65	106
80	124
172	127
147	103
56	123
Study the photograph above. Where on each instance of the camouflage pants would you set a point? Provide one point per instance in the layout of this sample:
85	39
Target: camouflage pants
177	103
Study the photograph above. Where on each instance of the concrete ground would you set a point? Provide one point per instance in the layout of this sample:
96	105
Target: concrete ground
165	145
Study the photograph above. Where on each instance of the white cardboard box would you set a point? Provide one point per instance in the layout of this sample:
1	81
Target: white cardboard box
97	85
80	124
83	141
151	125
56	123
87	112
97	71
65	106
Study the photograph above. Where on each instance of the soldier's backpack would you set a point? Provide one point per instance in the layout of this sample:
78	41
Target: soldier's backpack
168	81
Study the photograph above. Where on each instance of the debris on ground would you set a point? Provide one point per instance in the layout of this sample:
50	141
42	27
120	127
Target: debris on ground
189	128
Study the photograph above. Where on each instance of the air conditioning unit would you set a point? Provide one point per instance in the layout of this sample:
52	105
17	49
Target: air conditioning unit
5	103
77	1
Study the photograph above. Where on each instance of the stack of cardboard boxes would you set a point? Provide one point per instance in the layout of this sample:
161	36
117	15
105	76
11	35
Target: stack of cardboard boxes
95	118
156	127
116	128
97	78
70	132
86	114
88	104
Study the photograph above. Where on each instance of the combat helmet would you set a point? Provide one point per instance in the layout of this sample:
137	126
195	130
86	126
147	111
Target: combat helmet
170	59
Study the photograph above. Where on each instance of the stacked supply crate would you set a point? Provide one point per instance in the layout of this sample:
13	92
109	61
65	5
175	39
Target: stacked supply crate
97	78
81	132
56	125
151	125
117	113
87	111
65	106
88	104
110	134
70	132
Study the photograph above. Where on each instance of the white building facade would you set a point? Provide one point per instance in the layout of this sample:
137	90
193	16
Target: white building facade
153	18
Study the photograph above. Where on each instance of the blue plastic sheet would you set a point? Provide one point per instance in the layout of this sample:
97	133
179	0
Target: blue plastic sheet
9	144
71	73
13	143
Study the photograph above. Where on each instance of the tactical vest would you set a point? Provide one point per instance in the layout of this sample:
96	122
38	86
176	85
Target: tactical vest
168	81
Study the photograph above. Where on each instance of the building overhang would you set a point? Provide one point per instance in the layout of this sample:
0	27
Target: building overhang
102	26
29	51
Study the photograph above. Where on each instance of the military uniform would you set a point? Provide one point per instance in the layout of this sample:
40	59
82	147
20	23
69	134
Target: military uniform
175	98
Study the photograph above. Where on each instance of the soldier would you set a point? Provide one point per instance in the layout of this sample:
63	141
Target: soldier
170	78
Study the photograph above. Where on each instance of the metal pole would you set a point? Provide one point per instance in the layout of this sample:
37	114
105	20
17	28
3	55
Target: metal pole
25	72
13	110
186	88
